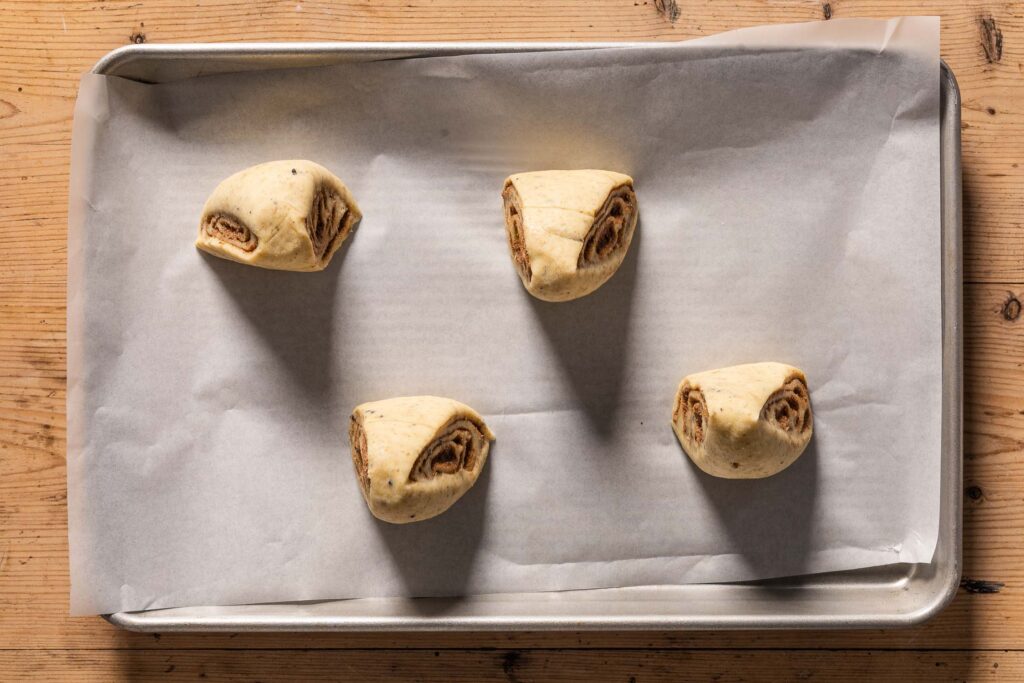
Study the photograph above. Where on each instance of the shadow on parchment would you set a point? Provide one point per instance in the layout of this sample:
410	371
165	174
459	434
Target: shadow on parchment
768	520
591	335
293	314
435	556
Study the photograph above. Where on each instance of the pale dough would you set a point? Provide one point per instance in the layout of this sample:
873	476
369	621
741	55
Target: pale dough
416	455
285	215
568	231
744	421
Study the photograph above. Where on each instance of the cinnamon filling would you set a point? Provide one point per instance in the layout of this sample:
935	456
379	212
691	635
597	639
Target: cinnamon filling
612	227
357	437
229	229
457	448
514	229
789	408
691	413
329	219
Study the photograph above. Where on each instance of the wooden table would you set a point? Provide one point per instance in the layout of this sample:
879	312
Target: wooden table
44	46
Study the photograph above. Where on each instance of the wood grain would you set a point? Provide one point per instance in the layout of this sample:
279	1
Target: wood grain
627	666
44	46
34	579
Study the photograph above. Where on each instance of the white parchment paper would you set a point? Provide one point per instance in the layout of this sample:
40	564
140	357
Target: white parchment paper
789	187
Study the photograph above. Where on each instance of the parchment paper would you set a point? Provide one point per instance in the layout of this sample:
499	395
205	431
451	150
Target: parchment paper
789	187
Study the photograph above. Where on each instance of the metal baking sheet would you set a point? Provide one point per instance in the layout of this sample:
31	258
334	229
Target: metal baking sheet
887	596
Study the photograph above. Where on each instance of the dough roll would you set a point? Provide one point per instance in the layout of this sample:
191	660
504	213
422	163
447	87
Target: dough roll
568	231
415	456
285	215
744	421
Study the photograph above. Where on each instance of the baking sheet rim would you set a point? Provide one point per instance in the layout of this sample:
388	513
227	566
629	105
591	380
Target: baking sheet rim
945	564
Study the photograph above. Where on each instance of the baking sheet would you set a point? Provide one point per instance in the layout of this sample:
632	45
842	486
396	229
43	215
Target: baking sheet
789	202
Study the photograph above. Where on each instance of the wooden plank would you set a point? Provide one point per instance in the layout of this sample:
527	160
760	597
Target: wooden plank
45	45
517	666
33	543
